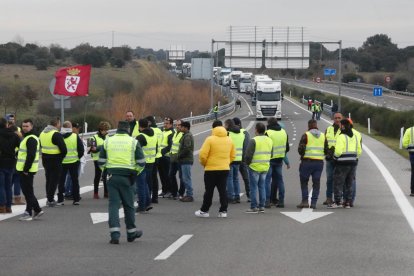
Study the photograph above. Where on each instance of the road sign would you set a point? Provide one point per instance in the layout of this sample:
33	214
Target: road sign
377	91
52	88
329	72
387	79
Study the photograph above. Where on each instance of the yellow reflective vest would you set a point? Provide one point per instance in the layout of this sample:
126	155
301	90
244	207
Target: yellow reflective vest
99	143
408	139
150	149
314	147
262	154
158	133
46	142
120	150
279	139
347	148
331	136
176	142
237	139
22	155
72	146
165	135
135	131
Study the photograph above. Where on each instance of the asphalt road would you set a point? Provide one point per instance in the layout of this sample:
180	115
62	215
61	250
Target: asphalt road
376	237
388	100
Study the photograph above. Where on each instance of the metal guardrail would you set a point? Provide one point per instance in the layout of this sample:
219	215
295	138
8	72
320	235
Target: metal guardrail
223	110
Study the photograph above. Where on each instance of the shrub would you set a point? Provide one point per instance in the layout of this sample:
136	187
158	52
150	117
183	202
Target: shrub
41	64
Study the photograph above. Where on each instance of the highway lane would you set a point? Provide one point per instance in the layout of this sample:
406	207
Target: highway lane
391	101
373	237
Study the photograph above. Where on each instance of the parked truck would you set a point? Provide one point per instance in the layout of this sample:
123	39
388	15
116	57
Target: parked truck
245	83
268	99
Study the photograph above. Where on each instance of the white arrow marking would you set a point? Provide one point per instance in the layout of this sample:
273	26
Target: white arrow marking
102	217
306	215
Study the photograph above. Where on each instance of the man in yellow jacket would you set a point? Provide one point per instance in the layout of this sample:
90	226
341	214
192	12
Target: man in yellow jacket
408	143
216	154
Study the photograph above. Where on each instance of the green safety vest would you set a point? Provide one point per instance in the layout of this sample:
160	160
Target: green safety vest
176	142
315	147
331	136
72	146
165	136
408	139
120	150
99	142
279	139
135	131
158	133
46	142
262	154
150	150
350	144
22	155
215	109
238	139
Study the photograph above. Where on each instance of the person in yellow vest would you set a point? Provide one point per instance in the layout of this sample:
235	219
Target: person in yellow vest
274	177
148	142
164	164
408	144
359	137
312	150
331	134
97	142
215	111
243	168
318	111
122	156
70	163
258	155
216	154
174	165
347	151
133	124
27	166
159	134
53	149
233	185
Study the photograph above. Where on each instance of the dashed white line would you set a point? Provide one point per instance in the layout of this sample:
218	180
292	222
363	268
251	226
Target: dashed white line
173	247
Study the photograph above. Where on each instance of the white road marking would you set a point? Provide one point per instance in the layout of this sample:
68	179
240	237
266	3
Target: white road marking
173	247
291	144
402	201
294	139
305	215
296	113
103	217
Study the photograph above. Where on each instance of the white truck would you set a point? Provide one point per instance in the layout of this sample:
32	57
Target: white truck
268	98
234	79
245	83
222	73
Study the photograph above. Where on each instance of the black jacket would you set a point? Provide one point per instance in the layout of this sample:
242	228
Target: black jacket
9	141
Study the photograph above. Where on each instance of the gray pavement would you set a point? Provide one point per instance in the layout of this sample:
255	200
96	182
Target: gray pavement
373	238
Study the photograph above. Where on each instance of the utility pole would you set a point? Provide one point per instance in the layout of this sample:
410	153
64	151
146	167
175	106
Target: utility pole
340	76
113	38
211	75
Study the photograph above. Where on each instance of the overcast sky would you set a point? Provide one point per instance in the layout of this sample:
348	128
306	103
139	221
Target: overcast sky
193	23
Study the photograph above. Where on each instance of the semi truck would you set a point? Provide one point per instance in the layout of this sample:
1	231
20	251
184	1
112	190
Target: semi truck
268	99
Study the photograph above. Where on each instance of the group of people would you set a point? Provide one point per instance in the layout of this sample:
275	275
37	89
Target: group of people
316	108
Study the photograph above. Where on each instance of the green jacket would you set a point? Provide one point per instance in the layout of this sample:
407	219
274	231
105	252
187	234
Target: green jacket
185	153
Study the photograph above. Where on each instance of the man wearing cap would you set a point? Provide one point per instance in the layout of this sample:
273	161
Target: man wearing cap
122	156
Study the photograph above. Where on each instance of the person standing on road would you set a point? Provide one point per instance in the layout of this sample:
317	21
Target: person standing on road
258	155
280	147
53	150
318	111
97	141
133	123
347	151
233	185
359	137
17	198
185	157
408	143
122	156
27	166
174	165
215	111
216	154
148	142
164	162
243	168
331	134
313	110
312	150
70	163
158	133
9	142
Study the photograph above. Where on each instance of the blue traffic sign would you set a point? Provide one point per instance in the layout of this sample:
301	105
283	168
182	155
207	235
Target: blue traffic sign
377	91
329	72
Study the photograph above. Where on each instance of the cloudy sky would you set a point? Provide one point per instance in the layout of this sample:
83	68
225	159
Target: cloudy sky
193	23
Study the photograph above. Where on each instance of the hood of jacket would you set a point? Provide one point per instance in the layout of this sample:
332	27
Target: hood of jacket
220	131
148	131
315	132
235	129
49	128
275	127
347	132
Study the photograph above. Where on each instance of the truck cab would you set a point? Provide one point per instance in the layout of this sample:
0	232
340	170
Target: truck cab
268	99
234	79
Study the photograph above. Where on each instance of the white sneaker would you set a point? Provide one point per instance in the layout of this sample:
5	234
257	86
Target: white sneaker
202	214
26	217
222	214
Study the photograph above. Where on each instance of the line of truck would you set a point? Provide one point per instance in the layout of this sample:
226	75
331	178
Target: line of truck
266	94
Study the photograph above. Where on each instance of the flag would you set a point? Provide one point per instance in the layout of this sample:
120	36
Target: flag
73	81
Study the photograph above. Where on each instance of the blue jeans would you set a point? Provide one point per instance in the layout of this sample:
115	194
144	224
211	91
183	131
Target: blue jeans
16	183
306	170
233	185
329	178
186	178
275	175
6	187
257	182
144	199
68	182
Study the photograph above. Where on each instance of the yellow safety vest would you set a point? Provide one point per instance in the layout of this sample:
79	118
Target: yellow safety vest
150	149
176	142
358	136
72	146
135	131
165	136
315	147
120	150
408	139
331	136
99	142
238	139
262	154
158	133
46	142
279	139
22	155
347	148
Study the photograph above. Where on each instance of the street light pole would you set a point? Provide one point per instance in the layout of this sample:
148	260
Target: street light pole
211	74
340	76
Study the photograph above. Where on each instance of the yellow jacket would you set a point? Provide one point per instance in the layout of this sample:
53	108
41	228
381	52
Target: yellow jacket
218	151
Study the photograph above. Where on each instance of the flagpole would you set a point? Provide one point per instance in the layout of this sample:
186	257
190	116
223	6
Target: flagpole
84	113
62	110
